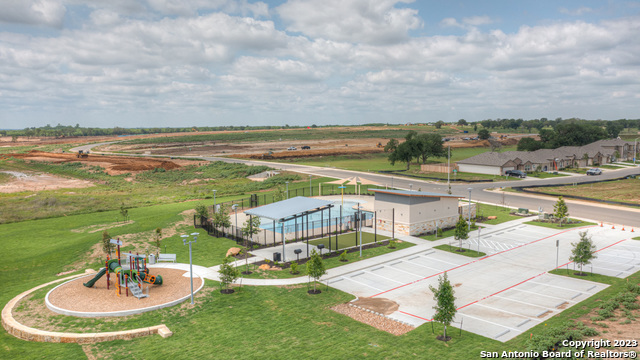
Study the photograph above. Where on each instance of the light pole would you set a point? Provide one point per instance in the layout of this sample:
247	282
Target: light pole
214	200
184	242
469	209
360	226
310	189
287	189
235	209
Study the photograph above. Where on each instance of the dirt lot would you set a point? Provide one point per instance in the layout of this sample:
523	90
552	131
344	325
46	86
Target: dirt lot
28	181
113	165
278	149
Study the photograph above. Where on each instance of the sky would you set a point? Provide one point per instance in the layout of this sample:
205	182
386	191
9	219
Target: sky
180	63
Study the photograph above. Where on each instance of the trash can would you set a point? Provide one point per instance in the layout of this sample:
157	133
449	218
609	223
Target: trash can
277	256
152	259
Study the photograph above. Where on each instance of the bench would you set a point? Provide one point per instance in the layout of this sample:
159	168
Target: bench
167	257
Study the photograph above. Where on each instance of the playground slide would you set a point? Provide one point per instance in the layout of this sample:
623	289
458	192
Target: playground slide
91	282
114	267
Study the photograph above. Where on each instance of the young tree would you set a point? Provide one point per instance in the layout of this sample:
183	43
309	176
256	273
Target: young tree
228	275
201	211
107	246
462	231
445	303
221	218
439	124
583	251
391	146
250	227
560	210
124	212
158	238
315	268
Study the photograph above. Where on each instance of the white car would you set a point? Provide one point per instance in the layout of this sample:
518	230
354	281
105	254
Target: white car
292	148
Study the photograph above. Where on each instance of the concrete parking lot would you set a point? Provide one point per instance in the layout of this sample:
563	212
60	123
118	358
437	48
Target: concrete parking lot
508	291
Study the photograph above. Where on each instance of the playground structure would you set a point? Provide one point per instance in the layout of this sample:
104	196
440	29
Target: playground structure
129	276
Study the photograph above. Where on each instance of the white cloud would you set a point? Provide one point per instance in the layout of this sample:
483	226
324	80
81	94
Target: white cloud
33	12
576	12
366	21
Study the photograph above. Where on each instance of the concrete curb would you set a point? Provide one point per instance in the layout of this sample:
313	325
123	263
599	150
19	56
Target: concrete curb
13	327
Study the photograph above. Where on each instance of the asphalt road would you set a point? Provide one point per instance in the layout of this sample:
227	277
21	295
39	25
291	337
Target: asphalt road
581	209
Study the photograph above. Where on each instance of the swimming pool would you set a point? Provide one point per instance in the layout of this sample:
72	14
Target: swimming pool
320	218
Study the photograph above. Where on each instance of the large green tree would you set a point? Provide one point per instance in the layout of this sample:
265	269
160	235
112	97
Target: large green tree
583	251
429	145
405	152
391	146
529	144
445	303
484	134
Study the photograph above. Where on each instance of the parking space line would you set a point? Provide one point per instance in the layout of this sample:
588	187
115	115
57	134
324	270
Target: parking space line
407	272
424	266
491	322
508	312
549	296
384	277
485	258
416	316
361	283
554	286
619	257
523	302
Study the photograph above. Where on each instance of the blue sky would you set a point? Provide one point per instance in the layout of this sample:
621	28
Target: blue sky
147	63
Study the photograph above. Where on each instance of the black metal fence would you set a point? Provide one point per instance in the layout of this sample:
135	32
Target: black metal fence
298	231
256	200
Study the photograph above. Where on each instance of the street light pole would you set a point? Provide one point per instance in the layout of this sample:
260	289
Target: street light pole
360	226
184	242
235	209
469	209
287	189
310	189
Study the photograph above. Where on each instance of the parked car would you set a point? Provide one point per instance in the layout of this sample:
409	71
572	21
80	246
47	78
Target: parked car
517	173
292	148
594	171
306	147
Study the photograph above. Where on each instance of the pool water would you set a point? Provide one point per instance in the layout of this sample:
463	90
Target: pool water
315	219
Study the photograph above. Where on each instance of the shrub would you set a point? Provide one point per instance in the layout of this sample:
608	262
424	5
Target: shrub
392	244
343	256
294	267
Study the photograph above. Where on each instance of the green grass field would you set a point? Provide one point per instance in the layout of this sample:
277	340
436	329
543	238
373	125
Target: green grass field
627	190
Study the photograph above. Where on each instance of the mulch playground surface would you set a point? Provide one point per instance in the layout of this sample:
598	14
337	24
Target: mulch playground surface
76	297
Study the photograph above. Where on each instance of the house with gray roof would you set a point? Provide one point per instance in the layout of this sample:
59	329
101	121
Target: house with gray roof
594	154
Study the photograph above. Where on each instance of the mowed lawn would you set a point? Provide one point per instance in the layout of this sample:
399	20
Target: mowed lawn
627	190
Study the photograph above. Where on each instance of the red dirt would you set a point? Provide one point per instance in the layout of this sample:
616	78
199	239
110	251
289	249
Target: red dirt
114	165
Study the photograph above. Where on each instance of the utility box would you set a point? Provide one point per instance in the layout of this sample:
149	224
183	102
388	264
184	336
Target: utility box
277	256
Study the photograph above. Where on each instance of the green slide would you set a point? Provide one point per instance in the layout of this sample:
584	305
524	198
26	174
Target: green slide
91	282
